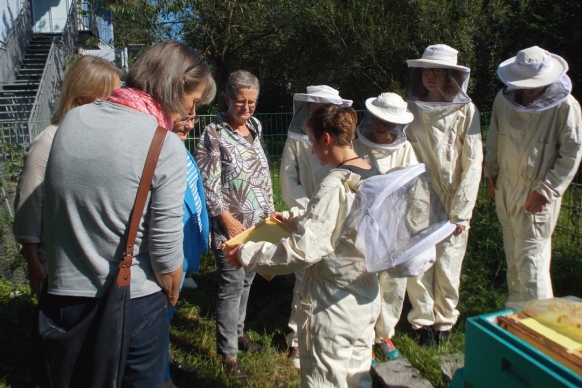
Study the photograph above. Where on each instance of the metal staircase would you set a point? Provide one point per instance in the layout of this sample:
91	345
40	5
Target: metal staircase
17	98
31	71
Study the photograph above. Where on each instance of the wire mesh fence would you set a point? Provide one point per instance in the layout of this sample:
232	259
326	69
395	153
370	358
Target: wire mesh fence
275	125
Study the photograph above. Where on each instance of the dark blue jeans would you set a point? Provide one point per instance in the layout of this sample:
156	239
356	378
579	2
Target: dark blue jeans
149	333
234	286
148	346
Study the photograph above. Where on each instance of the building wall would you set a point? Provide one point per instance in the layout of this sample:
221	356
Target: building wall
9	11
105	51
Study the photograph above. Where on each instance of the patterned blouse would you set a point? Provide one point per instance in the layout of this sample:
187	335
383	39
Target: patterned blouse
236	175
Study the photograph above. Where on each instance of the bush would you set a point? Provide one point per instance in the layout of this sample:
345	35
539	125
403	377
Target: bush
12	264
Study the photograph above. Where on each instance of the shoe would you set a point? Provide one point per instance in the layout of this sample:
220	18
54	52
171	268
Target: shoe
388	349
234	368
442	336
189	284
245	343
179	368
425	336
374	362
294	356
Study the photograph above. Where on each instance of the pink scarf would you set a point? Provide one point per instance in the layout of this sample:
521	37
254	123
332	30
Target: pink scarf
142	102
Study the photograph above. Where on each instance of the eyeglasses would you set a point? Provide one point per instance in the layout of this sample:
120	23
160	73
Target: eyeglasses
436	72
202	59
188	119
241	104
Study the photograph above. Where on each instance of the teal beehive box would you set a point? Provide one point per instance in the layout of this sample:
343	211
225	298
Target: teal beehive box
495	358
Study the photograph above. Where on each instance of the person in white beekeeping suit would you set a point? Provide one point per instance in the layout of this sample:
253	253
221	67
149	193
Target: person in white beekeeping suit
533	152
382	143
300	175
446	137
340	299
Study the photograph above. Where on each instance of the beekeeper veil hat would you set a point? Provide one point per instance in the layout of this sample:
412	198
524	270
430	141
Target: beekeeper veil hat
389	108
316	95
443	58
396	220
534	68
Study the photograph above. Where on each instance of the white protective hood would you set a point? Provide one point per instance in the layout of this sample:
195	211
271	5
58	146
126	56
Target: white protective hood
455	94
320	94
554	94
399	219
364	132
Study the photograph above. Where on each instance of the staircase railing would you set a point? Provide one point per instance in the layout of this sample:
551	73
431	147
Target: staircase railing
47	92
48	88
15	45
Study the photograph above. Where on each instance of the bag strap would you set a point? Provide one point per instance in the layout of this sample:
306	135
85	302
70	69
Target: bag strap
124	275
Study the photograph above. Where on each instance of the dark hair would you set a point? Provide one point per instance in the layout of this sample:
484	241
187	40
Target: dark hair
339	121
169	70
453	81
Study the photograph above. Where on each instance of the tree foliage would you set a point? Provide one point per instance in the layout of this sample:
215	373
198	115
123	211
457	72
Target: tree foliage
357	46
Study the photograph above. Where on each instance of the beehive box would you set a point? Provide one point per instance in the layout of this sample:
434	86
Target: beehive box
494	357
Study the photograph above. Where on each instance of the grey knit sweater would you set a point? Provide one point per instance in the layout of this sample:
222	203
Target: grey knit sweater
92	176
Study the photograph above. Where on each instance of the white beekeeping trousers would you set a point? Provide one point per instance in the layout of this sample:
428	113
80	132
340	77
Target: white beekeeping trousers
527	241
434	295
335	351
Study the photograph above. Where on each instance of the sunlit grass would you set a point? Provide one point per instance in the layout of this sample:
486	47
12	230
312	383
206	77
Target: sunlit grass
193	339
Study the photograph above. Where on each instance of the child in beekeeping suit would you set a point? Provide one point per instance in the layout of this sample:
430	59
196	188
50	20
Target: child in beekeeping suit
446	137
300	175
382	143
533	152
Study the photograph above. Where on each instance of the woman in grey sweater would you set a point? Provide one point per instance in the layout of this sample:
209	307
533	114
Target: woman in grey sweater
91	183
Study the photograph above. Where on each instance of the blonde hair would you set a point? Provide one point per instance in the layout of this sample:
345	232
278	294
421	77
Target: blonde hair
87	78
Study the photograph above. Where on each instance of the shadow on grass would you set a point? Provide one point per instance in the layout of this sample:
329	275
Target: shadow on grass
17	321
193	331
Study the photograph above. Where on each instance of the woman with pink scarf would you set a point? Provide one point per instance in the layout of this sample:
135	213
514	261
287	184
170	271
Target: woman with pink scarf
91	182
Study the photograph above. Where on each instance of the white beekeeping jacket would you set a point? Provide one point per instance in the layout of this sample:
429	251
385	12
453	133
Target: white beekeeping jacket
446	137
395	219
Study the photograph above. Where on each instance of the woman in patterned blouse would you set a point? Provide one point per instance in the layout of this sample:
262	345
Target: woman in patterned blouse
237	184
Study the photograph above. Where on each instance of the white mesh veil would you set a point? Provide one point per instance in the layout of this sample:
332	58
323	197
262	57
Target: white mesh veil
454	92
315	94
398	218
365	130
554	94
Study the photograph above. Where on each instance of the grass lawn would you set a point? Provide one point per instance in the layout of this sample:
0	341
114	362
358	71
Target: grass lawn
193	330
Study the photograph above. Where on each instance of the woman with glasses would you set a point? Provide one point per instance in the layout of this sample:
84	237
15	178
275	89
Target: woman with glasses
196	232
237	183
446	137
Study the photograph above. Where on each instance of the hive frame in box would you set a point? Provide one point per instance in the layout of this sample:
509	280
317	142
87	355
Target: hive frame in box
496	358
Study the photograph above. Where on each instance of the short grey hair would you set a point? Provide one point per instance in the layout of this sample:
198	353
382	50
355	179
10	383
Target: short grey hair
241	79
